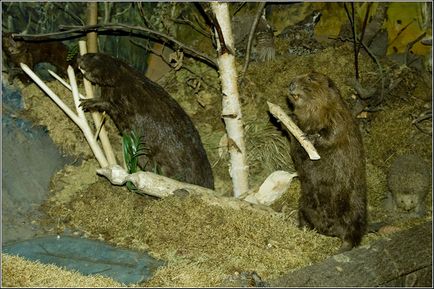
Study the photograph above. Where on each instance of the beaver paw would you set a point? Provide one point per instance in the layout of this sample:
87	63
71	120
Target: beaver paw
94	104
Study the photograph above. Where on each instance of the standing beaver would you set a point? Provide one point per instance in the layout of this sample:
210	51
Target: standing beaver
136	103
333	189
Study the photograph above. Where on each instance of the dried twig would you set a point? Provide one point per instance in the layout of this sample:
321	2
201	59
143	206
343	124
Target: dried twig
78	118
353	29
66	11
192	25
423	116
251	36
142	14
124	28
410	45
294	130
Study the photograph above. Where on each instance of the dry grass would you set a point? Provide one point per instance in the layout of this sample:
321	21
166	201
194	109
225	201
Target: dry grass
203	244
19	272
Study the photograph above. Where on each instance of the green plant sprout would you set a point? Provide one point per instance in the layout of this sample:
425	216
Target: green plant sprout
132	148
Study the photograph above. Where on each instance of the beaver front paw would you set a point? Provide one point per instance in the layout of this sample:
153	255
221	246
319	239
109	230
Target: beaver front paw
94	104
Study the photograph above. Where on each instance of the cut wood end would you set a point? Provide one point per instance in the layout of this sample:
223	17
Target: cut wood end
314	156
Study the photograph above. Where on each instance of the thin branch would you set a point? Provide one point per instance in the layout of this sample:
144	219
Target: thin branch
400	32
251	36
192	25
124	11
73	16
212	18
124	28
143	14
424	116
410	45
239	8
202	26
365	22
160	54
353	30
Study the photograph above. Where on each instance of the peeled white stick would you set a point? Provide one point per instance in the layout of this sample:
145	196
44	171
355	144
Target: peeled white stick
50	93
278	112
149	183
99	128
84	126
81	123
161	186
63	82
105	142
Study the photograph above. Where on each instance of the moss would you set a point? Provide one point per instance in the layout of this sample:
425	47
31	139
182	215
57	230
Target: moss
19	272
202	243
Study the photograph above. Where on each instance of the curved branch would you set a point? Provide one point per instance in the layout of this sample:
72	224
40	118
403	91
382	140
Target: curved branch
125	28
261	7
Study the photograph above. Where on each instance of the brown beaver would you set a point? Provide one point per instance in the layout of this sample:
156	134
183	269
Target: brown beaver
32	53
136	103
333	189
409	181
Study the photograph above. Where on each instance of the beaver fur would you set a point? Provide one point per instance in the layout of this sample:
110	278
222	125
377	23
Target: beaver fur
333	189
134	102
32	53
409	181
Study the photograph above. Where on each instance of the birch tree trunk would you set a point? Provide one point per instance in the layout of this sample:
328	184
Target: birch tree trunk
231	110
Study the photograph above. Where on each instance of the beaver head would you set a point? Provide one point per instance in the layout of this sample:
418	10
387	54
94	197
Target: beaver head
103	69
314	96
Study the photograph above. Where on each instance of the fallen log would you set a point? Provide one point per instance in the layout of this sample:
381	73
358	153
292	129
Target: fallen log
403	259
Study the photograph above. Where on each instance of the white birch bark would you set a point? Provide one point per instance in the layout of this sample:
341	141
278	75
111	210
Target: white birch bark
231	110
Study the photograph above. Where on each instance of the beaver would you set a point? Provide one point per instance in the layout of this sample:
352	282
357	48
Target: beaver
333	189
135	103
33	53
409	181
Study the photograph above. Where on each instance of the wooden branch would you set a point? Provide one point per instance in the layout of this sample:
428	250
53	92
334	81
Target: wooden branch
96	116
294	130
66	11
403	259
161	187
251	36
125	28
192	25
223	46
78	118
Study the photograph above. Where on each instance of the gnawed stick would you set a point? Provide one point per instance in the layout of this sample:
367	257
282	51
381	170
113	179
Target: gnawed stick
96	116
161	187
78	118
294	130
